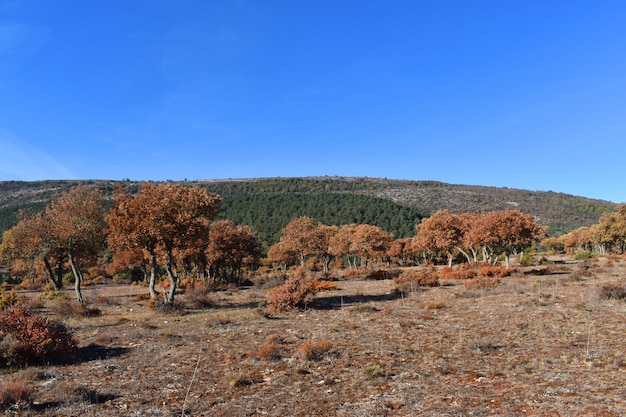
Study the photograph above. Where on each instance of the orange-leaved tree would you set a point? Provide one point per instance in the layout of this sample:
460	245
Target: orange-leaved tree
280	253
304	237
370	242
339	244
230	246
443	232
400	251
77	224
71	228
162	219
505	232
28	244
609	234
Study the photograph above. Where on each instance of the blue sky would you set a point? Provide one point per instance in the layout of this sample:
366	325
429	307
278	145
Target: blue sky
519	94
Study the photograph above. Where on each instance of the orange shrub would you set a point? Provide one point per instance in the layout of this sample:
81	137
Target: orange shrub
293	295
481	282
486	270
318	285
432	305
15	396
464	271
313	351
269	352
352	273
39	339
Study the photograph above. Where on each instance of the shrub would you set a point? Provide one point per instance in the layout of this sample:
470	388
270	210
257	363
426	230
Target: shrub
583	255
10	351
613	291
270	352
464	271
313	351
7	299
318	285
353	273
39	339
373	371
378	274
15	395
410	279
527	260
481	282
494	271
293	295
241	381
80	310
432	305
199	296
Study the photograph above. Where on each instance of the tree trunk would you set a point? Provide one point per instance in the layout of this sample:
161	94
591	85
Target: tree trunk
173	279
153	272
325	262
78	277
56	282
467	257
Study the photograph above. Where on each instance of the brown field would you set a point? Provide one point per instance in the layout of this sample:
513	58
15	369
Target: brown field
545	342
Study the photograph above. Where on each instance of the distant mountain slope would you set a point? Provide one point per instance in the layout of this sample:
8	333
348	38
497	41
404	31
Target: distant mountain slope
562	212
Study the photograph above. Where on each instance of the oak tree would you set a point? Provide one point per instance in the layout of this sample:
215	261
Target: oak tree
229	248
505	232
162	219
370	242
443	232
303	236
27	245
71	229
76	223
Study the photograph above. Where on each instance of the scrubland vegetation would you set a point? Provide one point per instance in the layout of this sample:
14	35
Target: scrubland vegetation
175	312
546	339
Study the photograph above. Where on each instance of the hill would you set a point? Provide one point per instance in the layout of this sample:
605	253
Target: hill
267	204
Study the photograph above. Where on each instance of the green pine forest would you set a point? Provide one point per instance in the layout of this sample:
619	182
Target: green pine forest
267	214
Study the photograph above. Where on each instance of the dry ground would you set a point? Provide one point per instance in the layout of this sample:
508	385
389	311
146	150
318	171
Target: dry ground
543	343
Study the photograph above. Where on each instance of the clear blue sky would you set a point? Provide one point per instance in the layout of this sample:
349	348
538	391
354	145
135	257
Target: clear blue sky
520	94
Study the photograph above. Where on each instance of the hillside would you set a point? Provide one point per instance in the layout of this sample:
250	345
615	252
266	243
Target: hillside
290	197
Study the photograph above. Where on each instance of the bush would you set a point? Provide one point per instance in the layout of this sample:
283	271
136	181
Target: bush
498	271
313	351
463	271
15	395
295	294
378	274
583	255
38	339
319	285
410	279
270	352
614	291
80	310
7	299
481	282
199	296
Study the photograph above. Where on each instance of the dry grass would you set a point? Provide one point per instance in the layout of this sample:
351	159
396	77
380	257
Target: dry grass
534	345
